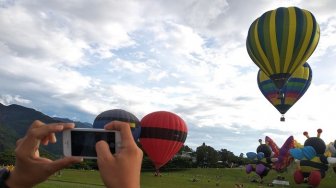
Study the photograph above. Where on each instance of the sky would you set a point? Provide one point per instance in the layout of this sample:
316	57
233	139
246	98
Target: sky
78	58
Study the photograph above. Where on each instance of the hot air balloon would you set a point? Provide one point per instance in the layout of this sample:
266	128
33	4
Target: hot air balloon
261	162
281	40
313	163
282	154
162	135
119	115
294	89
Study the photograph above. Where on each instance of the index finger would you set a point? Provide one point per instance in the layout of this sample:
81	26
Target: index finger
125	131
46	129
37	132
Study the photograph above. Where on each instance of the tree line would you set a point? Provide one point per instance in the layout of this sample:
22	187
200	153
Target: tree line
204	157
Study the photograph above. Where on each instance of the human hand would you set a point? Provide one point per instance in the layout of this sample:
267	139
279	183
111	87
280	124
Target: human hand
31	169
121	169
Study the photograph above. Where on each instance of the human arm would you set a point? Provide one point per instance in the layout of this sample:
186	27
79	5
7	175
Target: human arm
121	169
31	169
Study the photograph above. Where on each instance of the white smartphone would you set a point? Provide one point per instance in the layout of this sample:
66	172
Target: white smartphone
81	142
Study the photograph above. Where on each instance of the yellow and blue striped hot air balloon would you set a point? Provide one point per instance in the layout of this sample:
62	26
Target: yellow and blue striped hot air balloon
282	40
293	90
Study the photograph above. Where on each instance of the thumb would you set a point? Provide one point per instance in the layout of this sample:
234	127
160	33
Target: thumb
103	152
62	163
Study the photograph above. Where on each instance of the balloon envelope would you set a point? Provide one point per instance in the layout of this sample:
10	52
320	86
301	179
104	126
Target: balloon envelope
282	40
283	153
162	135
294	89
120	115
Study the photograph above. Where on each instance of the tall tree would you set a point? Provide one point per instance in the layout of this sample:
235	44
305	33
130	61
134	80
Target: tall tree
206	156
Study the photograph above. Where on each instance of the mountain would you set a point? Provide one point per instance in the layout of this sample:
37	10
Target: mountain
78	124
16	119
19	118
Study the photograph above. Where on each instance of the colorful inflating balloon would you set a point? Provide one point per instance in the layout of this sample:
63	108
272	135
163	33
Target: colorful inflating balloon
119	115
162	135
261	162
282	40
294	89
283	155
331	152
313	163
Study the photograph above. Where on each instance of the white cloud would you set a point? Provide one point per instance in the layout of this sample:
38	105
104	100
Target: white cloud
37	76
207	136
28	36
17	99
179	39
124	65
328	35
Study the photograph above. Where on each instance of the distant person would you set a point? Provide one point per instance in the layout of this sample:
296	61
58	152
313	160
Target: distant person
121	170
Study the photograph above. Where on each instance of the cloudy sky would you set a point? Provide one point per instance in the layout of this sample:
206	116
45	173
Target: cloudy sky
77	58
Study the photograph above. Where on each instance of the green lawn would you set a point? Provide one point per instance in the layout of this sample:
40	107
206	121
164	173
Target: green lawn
206	178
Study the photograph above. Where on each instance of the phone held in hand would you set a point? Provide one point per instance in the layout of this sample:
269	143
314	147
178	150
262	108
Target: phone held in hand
81	142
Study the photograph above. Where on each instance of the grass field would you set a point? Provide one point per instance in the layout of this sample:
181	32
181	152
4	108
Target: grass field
206	178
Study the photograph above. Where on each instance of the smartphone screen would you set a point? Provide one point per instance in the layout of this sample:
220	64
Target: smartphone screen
83	142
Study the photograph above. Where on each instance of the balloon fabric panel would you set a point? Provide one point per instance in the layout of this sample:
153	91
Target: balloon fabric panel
296	86
160	151
273	145
163	133
119	115
283	153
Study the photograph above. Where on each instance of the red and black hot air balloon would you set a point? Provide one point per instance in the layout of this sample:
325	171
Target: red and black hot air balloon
162	135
